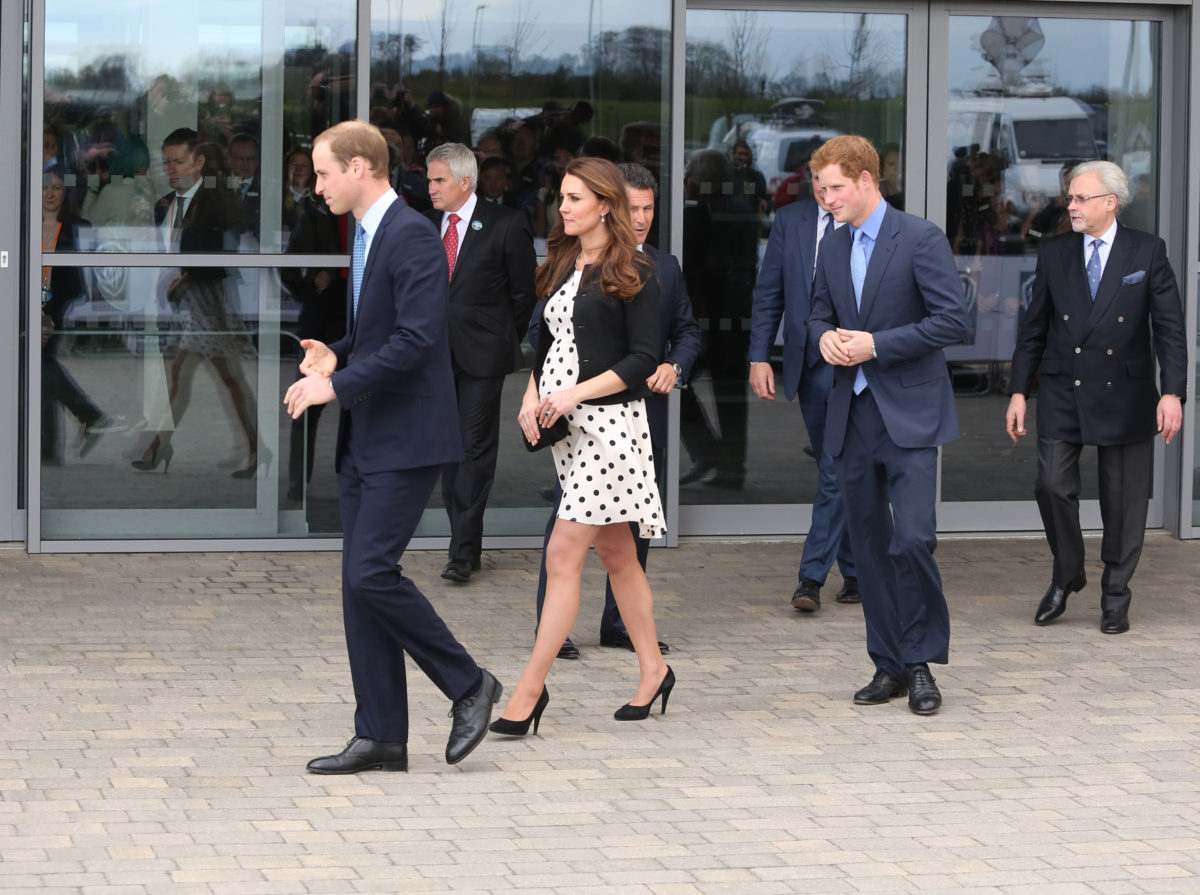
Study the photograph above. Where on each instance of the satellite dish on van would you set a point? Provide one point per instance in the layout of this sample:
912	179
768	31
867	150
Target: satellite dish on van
1009	44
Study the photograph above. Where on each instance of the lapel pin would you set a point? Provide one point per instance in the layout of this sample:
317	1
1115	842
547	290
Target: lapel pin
476	225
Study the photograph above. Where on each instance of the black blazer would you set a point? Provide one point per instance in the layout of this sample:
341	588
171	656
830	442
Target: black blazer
611	334
205	228
1095	360
491	291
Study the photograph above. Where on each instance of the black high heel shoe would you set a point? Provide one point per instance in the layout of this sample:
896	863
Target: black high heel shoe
161	454
631	712
520	728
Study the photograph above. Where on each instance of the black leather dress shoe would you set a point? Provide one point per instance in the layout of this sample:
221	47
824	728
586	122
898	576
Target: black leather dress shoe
363	754
1114	622
807	597
457	570
620	640
1054	603
849	592
568	650
924	698
882	688
471	715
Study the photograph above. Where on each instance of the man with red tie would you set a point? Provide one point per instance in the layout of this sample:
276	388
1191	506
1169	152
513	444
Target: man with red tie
489	251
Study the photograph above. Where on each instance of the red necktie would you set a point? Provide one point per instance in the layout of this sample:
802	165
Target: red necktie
450	240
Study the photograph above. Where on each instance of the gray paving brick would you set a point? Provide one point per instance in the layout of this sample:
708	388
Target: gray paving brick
159	710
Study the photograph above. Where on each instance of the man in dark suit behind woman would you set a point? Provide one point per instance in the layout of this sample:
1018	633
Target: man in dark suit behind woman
490	252
398	426
886	301
1105	304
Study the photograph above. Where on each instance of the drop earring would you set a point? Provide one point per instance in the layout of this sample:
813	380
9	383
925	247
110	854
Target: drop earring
602	219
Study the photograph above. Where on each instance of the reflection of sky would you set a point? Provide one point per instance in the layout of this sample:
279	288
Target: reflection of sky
804	42
169	35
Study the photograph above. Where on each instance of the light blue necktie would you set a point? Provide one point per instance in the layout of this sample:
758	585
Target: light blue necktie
357	259
1093	267
858	274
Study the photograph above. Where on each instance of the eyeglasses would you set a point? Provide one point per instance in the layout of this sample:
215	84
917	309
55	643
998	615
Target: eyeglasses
1079	200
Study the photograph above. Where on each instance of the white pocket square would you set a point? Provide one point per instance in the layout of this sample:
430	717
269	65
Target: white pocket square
1136	277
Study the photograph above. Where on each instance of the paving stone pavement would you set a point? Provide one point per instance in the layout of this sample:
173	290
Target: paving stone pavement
158	710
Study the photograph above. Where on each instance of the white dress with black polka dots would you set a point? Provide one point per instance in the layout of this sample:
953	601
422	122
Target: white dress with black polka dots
606	464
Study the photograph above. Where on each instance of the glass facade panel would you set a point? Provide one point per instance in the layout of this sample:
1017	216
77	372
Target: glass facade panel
253	83
527	84
764	91
1025	105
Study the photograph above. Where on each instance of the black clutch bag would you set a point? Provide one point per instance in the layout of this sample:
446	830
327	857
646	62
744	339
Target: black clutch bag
547	437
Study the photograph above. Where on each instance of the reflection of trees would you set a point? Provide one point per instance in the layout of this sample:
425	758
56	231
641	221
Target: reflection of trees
865	67
747	56
708	68
520	42
630	59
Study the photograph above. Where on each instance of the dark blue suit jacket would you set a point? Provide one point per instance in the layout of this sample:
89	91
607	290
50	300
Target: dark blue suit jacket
783	291
912	302
394	379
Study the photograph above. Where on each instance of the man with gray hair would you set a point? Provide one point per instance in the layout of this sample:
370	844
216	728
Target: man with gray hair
490	252
1105	304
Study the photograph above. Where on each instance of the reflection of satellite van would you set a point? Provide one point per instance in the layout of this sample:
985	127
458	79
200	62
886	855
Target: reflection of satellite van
1035	136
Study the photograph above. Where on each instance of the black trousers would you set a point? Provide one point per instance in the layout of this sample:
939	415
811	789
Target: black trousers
467	484
1126	475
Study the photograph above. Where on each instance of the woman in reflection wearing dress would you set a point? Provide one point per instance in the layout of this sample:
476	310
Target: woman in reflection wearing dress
598	343
203	299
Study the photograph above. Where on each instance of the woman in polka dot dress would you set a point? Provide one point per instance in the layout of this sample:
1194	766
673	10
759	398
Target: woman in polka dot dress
598	344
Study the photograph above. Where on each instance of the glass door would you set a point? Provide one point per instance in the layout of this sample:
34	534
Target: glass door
1024	99
763	90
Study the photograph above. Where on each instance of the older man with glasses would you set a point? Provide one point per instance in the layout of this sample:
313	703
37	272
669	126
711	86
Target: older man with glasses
1105	305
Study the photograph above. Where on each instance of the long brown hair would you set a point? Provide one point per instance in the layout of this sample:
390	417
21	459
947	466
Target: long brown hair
617	265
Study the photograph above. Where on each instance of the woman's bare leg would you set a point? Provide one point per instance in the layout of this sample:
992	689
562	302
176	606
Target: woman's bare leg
631	590
565	555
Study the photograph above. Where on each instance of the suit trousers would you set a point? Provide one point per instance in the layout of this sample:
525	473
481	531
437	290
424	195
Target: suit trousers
467	484
385	614
889	493
828	537
1126	474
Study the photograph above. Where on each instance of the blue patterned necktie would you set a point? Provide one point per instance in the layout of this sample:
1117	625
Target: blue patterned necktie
357	259
1093	267
858	274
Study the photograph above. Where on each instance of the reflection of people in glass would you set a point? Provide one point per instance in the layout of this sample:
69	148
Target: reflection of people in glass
61	287
597	346
321	292
749	182
1052	218
891	183
244	179
720	253
495	182
123	195
197	218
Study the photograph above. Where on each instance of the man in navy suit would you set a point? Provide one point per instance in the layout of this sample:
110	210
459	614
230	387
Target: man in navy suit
679	350
1105	303
783	292
492	262
398	425
887	300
